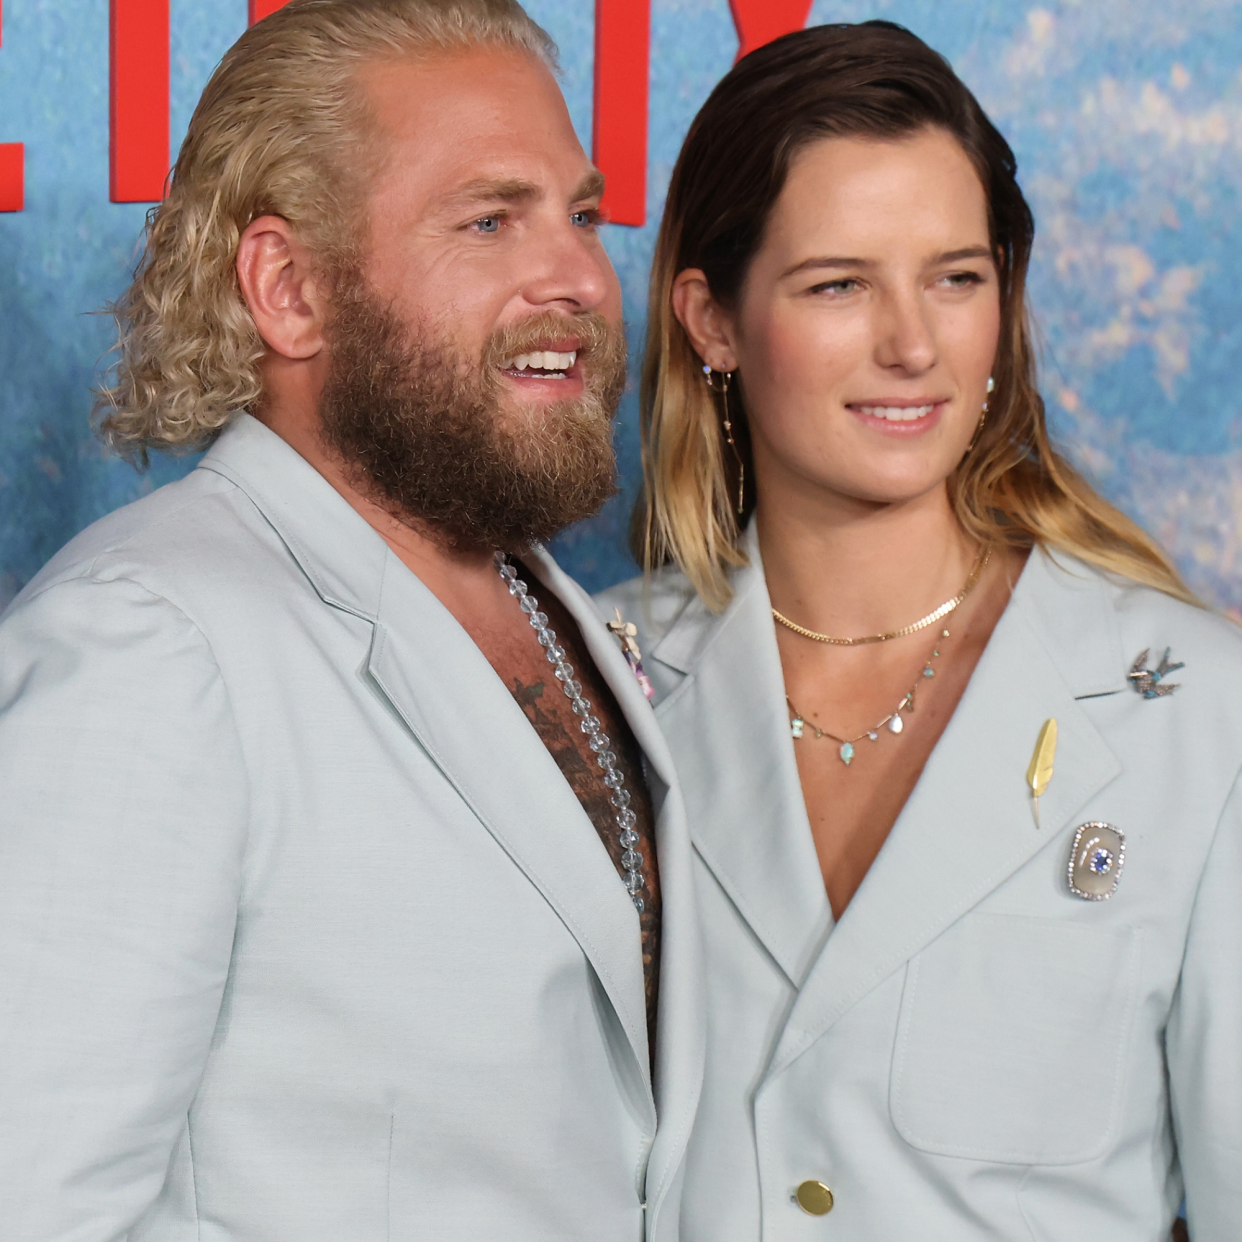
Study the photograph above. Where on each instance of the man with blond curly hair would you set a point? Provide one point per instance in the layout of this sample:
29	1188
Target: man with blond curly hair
344	881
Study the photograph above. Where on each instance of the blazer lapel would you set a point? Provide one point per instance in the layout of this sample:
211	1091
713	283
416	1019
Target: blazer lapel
747	815
969	824
467	721
450	698
681	1024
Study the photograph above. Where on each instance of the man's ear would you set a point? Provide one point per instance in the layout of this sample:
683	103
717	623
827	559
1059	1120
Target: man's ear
705	323
283	293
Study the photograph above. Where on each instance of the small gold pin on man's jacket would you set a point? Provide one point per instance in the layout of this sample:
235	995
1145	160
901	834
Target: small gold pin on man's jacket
1040	772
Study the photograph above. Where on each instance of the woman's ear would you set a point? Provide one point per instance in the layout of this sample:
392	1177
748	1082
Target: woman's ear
707	326
279	283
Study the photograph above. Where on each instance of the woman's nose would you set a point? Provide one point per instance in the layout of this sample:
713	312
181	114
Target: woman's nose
905	335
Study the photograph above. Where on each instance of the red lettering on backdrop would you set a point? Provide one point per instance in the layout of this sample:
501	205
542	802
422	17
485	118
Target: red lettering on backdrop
760	21
139	95
139	100
259	9
12	164
619	138
12	176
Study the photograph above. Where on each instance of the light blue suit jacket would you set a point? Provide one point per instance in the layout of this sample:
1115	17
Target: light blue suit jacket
973	1051
303	935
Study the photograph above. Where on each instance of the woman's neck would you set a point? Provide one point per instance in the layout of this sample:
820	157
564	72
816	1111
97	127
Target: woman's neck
847	568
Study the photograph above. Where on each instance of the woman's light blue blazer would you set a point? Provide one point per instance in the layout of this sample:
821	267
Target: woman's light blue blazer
973	1051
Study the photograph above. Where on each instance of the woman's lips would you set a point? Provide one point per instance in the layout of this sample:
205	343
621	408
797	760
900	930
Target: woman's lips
900	417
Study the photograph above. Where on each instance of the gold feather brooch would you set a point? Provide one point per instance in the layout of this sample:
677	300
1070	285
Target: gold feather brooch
1040	772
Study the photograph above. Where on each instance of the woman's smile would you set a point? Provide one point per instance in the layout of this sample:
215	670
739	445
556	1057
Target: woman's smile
899	416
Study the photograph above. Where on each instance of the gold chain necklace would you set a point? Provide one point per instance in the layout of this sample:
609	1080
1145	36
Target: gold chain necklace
894	720
981	563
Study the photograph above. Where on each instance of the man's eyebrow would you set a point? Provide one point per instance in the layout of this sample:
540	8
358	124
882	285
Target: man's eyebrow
492	190
591	186
844	261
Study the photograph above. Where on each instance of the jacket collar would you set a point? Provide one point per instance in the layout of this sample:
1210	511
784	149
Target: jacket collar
465	720
743	797
334	545
968	825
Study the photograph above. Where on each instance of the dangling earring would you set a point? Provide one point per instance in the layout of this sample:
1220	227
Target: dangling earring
983	417
726	378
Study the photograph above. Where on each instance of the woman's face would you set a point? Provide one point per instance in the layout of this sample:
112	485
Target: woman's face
867	325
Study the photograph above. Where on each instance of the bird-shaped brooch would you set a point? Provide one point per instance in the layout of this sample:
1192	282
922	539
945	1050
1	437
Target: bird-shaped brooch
1151	685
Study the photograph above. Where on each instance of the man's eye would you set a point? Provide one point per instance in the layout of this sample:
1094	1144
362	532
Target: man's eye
584	219
488	224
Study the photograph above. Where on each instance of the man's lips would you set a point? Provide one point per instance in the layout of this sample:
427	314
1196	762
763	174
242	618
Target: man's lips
547	363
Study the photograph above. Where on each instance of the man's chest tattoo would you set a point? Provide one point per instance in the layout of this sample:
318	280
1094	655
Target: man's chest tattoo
575	760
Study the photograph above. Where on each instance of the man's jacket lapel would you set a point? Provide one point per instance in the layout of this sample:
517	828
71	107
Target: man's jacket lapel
456	709
681	1034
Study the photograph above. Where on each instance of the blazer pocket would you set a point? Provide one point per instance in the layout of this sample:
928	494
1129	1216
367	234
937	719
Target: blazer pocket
1011	1041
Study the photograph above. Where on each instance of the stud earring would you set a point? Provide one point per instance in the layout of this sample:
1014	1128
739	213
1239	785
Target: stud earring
726	379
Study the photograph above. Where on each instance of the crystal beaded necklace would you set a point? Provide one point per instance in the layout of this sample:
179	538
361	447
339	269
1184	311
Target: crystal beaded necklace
597	739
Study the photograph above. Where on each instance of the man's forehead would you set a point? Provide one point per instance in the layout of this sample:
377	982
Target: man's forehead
479	88
480	124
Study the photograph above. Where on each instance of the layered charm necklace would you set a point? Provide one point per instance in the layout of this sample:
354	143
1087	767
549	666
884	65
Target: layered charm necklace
597	739
894	722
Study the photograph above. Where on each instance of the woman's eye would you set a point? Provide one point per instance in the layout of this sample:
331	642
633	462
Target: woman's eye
487	224
962	280
836	286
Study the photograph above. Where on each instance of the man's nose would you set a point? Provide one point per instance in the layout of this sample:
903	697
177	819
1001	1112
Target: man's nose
568	271
905	334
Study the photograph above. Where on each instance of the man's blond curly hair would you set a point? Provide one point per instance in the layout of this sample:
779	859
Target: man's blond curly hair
281	129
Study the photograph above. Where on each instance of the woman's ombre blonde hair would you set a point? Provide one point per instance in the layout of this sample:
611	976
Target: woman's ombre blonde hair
281	129
873	80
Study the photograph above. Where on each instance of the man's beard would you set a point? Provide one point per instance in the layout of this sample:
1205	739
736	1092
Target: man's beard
426	431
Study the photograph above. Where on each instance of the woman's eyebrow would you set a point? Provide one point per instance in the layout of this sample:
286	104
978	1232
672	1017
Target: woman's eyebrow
809	265
844	261
969	252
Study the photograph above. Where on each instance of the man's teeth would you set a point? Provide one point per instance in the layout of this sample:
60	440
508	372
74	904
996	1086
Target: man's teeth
897	413
543	360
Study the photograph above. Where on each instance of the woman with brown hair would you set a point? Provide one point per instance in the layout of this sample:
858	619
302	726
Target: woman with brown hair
969	843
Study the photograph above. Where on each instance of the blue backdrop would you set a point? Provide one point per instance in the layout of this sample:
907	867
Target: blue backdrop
1126	116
